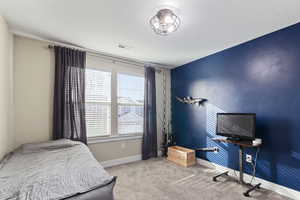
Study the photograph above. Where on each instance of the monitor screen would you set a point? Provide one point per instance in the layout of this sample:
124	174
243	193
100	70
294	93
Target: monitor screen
236	125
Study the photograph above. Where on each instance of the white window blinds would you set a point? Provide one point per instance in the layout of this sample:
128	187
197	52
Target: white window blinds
98	102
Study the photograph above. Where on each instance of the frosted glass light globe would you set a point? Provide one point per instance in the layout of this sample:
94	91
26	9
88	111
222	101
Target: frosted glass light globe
165	22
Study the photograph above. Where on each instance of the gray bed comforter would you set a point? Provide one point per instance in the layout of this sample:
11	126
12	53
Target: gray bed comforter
51	170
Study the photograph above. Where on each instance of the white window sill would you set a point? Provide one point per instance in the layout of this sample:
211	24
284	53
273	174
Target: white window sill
94	140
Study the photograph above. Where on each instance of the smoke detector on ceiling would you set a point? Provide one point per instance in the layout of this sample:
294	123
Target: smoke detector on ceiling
123	46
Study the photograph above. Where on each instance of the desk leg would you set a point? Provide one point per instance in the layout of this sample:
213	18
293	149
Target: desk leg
217	176
241	157
257	186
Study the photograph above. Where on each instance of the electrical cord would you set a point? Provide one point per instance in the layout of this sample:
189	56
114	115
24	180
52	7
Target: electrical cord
254	165
235	173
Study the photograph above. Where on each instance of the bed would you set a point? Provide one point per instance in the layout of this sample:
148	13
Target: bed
55	170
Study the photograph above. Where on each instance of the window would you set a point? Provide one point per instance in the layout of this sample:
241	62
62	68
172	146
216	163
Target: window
98	103
130	104
114	102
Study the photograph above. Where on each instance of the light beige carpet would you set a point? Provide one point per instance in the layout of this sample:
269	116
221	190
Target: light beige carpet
159	179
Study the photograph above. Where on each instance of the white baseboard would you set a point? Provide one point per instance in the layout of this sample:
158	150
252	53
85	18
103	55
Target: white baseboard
120	161
294	194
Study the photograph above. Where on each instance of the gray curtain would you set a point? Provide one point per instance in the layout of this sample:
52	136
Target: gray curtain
149	144
69	95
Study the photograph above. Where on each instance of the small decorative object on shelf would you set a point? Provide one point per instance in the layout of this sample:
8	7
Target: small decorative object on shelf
191	100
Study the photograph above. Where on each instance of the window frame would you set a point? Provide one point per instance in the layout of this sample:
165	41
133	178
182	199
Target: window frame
115	68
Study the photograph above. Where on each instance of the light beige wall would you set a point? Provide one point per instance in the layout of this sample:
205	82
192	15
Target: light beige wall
116	150
34	74
6	98
33	86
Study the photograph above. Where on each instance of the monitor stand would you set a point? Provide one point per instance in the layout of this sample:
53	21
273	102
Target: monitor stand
233	139
236	139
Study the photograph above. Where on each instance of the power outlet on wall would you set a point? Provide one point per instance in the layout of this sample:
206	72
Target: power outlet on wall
248	158
123	145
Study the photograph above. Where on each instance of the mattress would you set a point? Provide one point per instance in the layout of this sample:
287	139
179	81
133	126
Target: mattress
101	193
51	171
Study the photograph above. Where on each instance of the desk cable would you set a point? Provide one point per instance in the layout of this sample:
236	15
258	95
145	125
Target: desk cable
254	165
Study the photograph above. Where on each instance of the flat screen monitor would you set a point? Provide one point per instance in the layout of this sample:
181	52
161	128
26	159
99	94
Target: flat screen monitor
236	125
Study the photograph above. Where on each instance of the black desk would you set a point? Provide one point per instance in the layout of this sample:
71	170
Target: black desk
242	145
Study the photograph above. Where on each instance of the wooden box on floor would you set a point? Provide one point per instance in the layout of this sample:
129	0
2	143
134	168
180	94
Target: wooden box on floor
182	156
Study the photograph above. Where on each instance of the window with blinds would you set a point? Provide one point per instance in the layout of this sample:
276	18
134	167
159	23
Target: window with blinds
98	102
130	104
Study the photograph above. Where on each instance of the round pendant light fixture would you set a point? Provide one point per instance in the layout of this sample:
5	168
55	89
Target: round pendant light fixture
165	22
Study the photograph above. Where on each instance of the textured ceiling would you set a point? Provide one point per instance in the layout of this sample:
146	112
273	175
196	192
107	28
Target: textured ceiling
207	26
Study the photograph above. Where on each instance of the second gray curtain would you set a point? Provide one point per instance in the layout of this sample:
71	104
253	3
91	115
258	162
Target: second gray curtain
149	144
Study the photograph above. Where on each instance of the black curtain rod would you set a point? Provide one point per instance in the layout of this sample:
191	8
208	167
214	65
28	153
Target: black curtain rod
75	48
110	57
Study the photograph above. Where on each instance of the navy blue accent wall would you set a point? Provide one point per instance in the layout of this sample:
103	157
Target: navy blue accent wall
261	76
